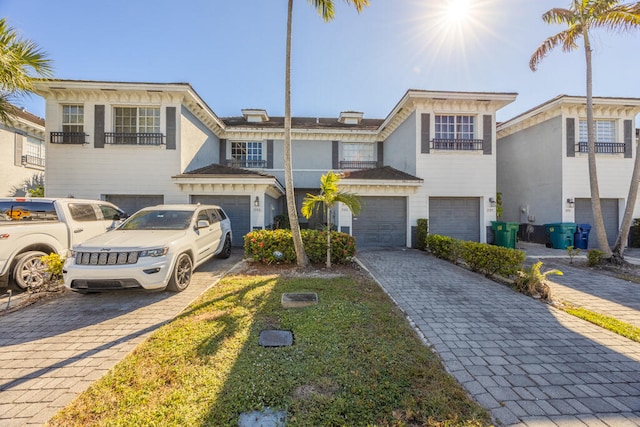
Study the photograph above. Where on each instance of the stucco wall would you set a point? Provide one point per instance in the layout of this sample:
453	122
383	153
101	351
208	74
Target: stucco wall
400	146
12	175
310	159
199	146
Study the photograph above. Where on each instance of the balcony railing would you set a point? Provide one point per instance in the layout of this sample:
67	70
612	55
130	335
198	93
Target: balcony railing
603	147
244	163
120	138
457	144
68	138
357	164
33	160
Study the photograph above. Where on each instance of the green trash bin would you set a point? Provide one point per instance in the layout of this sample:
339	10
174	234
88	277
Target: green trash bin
561	234
505	233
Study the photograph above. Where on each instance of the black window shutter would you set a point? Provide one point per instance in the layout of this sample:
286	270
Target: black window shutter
335	158
269	153
425	133
380	154
487	134
171	128
98	128
571	137
628	139
223	151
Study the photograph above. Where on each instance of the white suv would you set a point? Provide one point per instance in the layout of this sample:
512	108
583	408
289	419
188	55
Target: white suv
156	248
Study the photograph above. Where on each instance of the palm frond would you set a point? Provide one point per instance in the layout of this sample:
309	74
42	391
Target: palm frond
619	19
325	9
352	201
559	16
566	39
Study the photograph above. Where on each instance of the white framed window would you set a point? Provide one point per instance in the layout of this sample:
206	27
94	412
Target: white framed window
357	152
72	118
136	119
455	127
605	131
247	154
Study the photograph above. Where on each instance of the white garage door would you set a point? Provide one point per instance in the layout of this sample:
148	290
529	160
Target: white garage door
131	203
584	215
457	217
238	208
382	222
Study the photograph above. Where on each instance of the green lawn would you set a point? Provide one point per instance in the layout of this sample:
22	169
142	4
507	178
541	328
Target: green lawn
355	361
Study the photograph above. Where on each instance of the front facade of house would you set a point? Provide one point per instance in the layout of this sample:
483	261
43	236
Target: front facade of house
139	144
542	163
22	153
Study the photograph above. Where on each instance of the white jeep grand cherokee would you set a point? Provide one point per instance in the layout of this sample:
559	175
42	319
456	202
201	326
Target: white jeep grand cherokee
156	248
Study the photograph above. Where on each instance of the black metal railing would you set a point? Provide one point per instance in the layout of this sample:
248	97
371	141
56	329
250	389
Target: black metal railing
121	138
357	164
33	160
68	138
457	144
244	163
602	147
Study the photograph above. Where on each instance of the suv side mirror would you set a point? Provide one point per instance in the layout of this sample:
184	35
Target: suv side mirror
202	223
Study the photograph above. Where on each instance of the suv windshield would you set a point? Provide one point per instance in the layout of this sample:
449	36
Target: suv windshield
11	210
158	220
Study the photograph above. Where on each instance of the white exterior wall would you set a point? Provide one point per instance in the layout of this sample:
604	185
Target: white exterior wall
12	173
614	173
87	172
198	145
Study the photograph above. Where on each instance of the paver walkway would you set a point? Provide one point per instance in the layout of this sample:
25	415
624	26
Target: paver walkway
527	362
51	353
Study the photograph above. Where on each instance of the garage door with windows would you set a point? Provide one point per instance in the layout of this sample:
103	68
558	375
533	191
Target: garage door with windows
131	203
584	215
238	208
457	217
382	222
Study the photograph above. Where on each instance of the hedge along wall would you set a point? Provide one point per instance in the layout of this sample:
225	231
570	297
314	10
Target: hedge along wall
480	257
276	246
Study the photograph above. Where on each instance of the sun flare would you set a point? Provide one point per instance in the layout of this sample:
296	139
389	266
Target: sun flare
457	11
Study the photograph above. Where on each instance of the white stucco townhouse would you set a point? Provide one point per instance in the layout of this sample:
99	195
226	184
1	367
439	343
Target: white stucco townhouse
22	153
137	144
542	163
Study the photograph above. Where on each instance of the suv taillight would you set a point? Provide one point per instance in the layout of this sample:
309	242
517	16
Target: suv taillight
4	236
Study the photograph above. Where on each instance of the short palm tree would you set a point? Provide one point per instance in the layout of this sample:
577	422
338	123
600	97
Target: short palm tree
325	9
580	18
21	61
328	197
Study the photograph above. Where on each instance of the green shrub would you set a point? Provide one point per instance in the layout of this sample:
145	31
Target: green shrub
479	257
422	230
533	282
634	234
595	257
276	246
54	263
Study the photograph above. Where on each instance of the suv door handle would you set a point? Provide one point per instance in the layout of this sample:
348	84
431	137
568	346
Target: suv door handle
78	230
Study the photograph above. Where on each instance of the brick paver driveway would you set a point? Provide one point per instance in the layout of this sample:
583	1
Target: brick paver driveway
50	353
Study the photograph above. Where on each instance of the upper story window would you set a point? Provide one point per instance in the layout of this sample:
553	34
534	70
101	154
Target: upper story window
72	126
357	155
33	152
605	137
247	154
135	126
456	132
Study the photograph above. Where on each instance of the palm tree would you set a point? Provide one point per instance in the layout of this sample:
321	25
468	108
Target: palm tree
325	9
581	17
328	197
19	60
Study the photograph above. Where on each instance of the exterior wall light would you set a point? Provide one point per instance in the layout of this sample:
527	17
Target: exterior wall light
570	201
256	202
492	201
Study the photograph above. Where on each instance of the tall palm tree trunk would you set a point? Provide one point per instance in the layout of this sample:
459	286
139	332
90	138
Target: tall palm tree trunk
301	257
596	207
328	237
623	235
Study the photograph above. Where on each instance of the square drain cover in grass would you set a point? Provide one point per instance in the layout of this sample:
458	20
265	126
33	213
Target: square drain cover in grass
275	338
301	299
266	418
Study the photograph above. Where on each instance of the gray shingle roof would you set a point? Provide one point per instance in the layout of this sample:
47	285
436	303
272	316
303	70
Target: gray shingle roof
383	173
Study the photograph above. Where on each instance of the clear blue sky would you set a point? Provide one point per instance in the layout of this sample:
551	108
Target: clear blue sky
232	51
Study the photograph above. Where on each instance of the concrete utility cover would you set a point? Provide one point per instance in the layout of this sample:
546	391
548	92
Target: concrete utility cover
275	338
302	299
266	418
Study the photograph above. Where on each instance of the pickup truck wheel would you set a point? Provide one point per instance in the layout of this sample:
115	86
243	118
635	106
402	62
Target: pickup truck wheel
181	275
29	271
226	249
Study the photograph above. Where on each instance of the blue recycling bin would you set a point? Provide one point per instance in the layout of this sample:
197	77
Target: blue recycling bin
581	236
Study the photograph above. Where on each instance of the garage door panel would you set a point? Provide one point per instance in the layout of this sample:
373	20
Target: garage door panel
382	222
584	215
457	217
238	208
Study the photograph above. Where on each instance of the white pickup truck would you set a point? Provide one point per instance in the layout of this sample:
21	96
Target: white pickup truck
33	227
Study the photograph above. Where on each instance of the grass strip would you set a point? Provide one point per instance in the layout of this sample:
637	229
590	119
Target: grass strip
606	322
355	362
